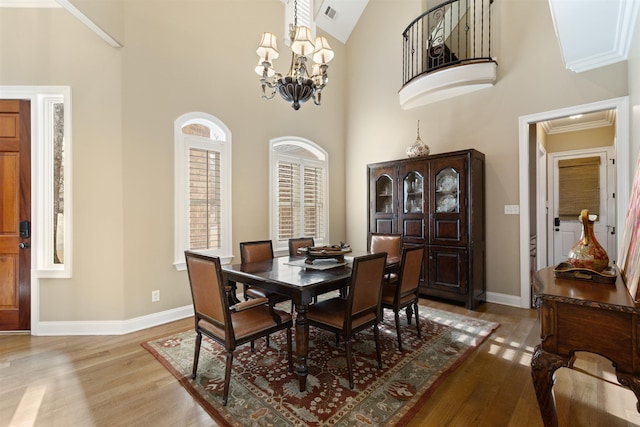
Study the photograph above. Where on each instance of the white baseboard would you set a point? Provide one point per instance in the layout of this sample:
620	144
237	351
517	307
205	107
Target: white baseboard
504	299
112	327
121	327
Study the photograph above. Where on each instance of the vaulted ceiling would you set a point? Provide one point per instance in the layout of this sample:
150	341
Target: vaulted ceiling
591	34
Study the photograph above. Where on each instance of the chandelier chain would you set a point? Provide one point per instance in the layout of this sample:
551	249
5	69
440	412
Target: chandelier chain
300	84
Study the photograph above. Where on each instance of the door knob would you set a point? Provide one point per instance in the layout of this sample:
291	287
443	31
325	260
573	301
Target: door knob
24	245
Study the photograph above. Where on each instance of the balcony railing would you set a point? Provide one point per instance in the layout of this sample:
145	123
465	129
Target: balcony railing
453	33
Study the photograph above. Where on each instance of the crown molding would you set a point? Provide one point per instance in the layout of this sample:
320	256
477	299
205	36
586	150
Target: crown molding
29	3
595	33
550	127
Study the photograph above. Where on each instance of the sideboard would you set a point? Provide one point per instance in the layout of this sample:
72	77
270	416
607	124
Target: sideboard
580	315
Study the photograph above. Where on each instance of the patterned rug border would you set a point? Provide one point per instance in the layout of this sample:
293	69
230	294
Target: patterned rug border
408	414
185	382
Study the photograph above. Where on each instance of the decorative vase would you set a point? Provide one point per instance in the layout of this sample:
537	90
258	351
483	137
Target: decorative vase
418	148
587	252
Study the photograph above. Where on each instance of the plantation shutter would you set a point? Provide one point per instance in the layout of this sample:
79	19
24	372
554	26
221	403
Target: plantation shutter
579	186
313	201
204	199
300	201
288	200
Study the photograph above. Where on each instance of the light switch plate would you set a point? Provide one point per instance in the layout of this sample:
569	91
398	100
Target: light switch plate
511	209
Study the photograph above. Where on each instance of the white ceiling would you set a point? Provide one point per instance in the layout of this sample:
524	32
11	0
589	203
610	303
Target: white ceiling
594	33
581	122
339	17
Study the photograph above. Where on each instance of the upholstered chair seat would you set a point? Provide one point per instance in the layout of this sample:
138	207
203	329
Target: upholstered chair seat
359	310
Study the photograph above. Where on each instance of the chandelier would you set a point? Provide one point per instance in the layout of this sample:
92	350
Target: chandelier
297	86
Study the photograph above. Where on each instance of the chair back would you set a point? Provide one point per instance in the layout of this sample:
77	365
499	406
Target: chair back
365	290
391	243
257	251
210	301
409	280
299	242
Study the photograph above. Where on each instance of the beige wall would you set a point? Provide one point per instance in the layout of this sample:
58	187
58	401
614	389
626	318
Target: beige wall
107	15
584	139
182	56
531	79
178	57
51	47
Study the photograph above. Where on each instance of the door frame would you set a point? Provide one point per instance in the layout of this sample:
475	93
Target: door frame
621	147
542	210
41	192
552	189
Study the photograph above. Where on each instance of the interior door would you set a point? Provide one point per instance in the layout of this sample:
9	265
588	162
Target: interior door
15	215
566	232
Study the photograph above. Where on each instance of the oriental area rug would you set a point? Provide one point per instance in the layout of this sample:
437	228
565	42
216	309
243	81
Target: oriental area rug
264	393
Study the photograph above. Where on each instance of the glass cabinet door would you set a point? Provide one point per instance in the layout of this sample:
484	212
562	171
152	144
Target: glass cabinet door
447	196
413	178
413	186
384	194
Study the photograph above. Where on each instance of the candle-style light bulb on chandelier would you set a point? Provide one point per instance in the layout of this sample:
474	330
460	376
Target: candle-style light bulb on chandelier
297	86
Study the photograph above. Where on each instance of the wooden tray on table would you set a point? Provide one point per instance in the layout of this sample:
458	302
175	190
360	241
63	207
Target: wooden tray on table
564	270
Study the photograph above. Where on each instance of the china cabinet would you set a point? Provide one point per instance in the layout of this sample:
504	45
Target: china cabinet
436	201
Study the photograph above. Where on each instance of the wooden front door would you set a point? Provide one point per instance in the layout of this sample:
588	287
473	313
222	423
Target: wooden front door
15	215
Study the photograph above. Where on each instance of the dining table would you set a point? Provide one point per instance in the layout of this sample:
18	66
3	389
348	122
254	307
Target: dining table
298	280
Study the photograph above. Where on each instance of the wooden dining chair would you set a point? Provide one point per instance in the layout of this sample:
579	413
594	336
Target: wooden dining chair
299	242
391	243
229	326
256	251
360	310
403	291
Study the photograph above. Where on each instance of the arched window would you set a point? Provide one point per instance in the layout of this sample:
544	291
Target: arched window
299	191
202	187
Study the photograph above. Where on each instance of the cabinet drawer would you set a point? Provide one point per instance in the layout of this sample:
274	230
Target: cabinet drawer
448	269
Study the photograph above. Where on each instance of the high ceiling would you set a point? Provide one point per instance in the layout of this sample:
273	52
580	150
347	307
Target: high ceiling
582	47
336	17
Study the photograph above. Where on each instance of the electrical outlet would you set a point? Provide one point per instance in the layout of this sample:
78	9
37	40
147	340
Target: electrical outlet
511	209
155	296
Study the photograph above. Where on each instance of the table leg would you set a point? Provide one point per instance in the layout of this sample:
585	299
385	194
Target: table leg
302	345
632	382
543	368
233	298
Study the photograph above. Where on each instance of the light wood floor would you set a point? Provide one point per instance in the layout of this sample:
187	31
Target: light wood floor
113	381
